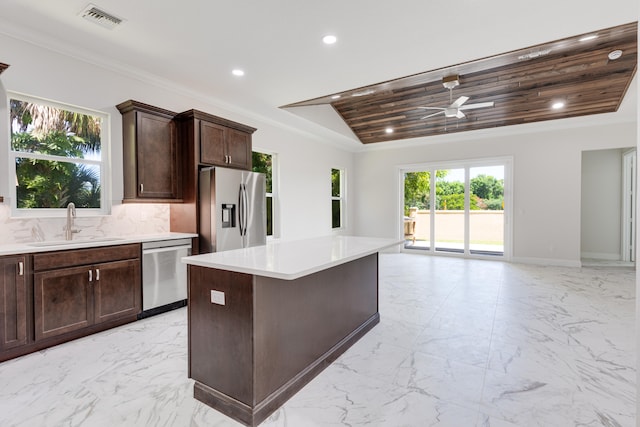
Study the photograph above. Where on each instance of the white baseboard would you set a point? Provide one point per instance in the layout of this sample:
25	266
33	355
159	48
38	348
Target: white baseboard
601	255
547	261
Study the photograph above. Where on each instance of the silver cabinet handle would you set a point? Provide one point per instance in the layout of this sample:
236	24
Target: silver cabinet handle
21	268
141	188
229	158
91	275
97	274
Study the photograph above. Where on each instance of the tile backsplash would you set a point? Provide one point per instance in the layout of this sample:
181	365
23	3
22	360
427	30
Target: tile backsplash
125	220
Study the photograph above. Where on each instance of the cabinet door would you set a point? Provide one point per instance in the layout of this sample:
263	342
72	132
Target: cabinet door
157	160
13	302
117	290
238	149
63	301
212	140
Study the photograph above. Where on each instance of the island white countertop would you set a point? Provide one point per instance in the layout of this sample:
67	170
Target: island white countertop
88	242
292	259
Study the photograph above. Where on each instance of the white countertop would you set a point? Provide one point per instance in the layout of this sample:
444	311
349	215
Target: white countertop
80	243
292	259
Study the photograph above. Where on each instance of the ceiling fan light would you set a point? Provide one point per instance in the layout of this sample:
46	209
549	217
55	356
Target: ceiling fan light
557	105
451	112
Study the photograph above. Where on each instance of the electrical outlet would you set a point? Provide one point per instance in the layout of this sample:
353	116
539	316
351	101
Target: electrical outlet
217	297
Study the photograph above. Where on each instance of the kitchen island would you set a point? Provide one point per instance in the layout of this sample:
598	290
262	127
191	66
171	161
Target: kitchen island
265	320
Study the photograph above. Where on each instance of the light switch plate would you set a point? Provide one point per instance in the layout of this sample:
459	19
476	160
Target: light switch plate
217	297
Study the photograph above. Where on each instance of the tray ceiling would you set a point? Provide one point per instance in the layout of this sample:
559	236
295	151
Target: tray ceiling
522	84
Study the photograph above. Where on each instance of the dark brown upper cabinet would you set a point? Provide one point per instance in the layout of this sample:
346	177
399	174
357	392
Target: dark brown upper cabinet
216	141
207	140
152	160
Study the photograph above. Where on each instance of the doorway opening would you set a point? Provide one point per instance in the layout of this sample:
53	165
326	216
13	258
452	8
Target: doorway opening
464	212
608	207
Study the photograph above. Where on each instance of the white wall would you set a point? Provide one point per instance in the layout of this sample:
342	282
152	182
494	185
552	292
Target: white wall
547	178
601	204
547	165
304	162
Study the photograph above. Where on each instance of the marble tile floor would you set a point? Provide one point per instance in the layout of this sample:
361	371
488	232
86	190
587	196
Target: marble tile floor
461	343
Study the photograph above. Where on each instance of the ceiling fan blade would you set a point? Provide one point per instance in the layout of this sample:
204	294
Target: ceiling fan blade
431	115
460	115
458	102
432	108
478	105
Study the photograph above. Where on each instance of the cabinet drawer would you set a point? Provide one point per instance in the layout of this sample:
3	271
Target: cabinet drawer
73	257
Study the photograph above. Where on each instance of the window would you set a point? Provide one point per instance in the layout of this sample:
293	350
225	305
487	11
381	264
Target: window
58	155
337	198
263	163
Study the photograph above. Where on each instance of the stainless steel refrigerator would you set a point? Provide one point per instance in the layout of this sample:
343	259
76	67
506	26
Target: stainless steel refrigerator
232	209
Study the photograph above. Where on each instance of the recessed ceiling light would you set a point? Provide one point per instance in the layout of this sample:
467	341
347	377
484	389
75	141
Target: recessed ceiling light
335	97
615	54
329	39
363	93
557	105
238	72
389	130
589	37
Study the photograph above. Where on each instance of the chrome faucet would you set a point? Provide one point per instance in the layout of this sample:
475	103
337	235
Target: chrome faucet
71	214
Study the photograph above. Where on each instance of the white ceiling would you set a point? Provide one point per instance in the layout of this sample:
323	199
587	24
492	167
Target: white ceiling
195	44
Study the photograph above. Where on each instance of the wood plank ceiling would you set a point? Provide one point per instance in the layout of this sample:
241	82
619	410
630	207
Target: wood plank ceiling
523	85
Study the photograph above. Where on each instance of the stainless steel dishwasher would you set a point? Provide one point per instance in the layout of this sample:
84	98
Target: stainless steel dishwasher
164	277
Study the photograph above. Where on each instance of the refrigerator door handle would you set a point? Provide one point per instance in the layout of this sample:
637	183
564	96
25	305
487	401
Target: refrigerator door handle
246	209
242	214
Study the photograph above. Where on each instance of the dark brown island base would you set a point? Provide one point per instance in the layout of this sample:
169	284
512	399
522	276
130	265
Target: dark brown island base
264	321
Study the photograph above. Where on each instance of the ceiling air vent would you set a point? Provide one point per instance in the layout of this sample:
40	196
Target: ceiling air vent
93	14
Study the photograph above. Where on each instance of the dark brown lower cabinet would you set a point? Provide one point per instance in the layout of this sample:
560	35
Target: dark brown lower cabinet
13	302
63	301
73	298
52	297
117	293
270	337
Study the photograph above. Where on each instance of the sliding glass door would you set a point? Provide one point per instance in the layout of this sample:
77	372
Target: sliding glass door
486	210
467	215
449	219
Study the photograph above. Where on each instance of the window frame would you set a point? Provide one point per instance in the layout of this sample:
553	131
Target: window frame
104	163
341	198
467	165
275	211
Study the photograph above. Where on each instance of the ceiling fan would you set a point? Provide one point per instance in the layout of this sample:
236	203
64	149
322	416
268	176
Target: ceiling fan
456	107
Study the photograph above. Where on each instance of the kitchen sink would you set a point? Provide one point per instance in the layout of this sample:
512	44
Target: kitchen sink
73	242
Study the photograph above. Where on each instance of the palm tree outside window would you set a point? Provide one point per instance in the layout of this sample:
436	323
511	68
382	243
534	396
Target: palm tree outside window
58	154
